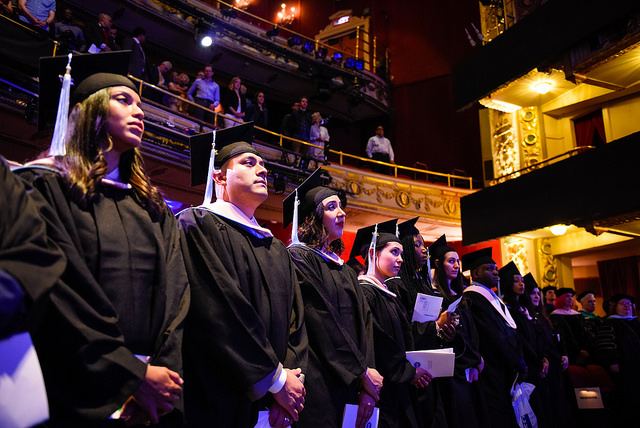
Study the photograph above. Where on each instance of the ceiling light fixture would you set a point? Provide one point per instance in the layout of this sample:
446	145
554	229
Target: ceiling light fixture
558	229
542	87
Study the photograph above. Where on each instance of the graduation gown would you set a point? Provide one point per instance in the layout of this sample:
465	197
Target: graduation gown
340	330
124	292
245	321
574	335
503	359
30	263
392	338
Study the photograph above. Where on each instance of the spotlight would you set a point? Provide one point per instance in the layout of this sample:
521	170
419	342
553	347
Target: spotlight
359	64
206	41
337	58
350	63
321	53
294	41
273	32
308	46
229	13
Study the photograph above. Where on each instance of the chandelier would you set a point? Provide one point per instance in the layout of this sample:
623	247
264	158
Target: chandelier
243	4
286	17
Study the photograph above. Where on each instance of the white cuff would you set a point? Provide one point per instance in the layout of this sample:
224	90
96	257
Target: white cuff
279	383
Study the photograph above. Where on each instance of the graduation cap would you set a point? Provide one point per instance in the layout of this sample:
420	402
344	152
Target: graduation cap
408	228
507	272
439	248
477	258
226	144
365	234
83	66
303	201
565	290
529	283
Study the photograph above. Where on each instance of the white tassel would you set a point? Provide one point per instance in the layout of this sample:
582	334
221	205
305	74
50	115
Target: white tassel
58	147
208	192
371	255
294	226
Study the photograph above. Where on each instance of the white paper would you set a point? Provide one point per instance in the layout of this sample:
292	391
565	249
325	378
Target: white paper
351	415
427	308
23	398
438	362
263	420
452	307
94	49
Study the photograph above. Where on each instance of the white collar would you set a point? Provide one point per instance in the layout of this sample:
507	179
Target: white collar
231	212
565	312
375	283
630	317
329	256
113	179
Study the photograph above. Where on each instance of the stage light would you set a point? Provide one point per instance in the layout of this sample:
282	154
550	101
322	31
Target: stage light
350	63
294	41
206	41
321	53
308	46
337	58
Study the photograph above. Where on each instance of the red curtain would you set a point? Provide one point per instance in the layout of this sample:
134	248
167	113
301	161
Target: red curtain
590	129
620	276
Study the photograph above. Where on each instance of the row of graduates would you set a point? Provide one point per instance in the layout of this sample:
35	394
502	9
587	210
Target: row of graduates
125	301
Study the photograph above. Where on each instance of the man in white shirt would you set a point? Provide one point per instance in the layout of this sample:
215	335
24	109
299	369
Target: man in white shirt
379	148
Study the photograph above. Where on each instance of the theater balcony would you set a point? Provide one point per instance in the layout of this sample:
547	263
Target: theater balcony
405	192
560	136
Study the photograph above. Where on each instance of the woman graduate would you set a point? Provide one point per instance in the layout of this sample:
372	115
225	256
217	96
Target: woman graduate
337	317
392	331
112	334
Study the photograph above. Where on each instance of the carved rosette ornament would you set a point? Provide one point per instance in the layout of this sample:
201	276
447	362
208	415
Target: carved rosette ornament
530	132
515	249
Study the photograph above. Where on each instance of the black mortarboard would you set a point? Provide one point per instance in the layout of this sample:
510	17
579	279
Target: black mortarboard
565	290
386	233
408	228
477	258
529	282
507	272
310	194
438	249
229	142
584	293
82	66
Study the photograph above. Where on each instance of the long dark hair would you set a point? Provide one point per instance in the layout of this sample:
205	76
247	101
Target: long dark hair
441	281
410	272
313	233
84	166
537	312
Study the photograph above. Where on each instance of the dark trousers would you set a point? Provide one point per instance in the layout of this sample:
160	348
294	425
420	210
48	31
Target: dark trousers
203	114
381	169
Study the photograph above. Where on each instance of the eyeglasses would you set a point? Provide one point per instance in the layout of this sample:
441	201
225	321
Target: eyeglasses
625	303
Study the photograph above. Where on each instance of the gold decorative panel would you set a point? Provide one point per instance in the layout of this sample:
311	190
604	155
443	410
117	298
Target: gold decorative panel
548	263
504	143
529	122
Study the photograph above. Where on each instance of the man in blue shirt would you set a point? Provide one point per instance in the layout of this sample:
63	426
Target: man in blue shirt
39	13
207	94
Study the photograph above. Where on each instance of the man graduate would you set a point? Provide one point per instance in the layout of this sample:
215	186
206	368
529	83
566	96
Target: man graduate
499	344
244	336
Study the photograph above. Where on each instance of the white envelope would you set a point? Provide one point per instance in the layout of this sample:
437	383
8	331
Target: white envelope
438	362
351	414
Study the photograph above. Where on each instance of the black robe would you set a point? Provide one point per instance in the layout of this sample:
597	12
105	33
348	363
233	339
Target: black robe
245	319
392	337
503	359
30	263
574	335
124	292
340	330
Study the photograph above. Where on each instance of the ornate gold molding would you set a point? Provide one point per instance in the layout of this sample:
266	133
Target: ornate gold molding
548	263
373	193
504	146
529	122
